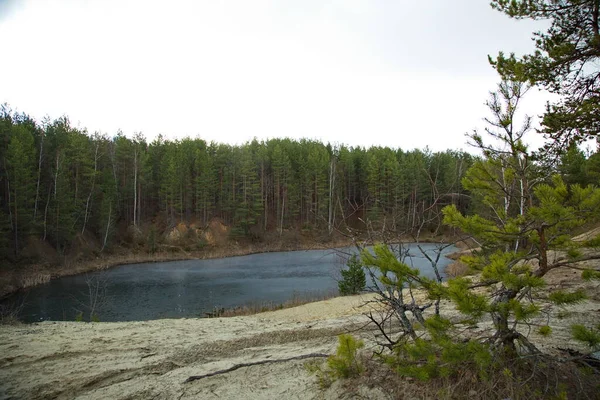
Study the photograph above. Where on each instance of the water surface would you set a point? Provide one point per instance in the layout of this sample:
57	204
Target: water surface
194	287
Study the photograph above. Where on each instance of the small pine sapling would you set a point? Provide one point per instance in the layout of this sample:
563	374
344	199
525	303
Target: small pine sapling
353	279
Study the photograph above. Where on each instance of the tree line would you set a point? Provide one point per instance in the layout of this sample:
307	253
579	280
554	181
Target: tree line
59	182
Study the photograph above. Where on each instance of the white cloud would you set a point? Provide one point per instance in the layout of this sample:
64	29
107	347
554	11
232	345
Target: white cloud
354	72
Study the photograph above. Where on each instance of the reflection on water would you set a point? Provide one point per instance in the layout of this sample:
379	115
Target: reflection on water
190	288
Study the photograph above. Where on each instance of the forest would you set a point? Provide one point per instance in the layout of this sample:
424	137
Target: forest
61	183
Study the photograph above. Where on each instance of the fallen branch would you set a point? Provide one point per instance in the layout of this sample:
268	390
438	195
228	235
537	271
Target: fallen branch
238	366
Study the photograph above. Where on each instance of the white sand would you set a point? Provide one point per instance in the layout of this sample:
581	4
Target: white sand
152	359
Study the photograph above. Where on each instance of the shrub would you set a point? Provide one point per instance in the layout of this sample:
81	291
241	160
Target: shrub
545	330
353	279
344	364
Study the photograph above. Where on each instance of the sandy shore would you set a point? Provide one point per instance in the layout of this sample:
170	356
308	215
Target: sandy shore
142	360
152	359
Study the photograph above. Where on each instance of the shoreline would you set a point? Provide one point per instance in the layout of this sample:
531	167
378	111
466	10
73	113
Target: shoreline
38	274
149	359
11	282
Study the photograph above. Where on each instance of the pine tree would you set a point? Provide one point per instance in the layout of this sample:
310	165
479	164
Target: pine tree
573	166
249	204
529	218
281	176
565	62
79	183
353	279
204	185
20	165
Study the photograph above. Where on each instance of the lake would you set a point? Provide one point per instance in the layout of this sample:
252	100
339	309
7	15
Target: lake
191	288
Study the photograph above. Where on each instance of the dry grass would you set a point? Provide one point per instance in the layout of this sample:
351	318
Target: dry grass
534	378
34	279
456	269
297	299
9	313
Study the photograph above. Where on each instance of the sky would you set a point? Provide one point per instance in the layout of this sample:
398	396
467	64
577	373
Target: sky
401	73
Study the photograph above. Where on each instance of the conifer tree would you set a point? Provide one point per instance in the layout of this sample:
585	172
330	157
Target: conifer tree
565	62
353	279
249	203
526	232
20	161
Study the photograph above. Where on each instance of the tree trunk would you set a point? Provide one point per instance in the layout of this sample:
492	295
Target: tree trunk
56	207
87	203
331	190
263	194
282	212
46	212
135	187
16	225
107	227
278	195
37	187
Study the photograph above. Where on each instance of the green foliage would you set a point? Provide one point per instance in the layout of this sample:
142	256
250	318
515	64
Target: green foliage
439	356
593	242
345	363
523	216
59	182
573	166
564	63
80	317
324	377
394	273
590	274
522	312
590	337
467	302
561	297
353	279
557	211
501	267
562	395
480	227
545	330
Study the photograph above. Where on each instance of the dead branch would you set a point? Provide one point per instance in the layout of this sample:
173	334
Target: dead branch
262	362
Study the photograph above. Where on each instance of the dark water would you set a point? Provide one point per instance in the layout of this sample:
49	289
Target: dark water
192	288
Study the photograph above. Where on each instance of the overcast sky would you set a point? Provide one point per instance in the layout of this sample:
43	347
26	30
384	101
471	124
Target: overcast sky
399	73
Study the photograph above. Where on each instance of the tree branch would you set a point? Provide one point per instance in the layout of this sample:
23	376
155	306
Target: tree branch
262	362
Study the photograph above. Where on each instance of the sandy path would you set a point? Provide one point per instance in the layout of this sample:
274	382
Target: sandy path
152	359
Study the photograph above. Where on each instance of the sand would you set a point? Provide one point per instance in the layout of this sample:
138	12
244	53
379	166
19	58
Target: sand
153	359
